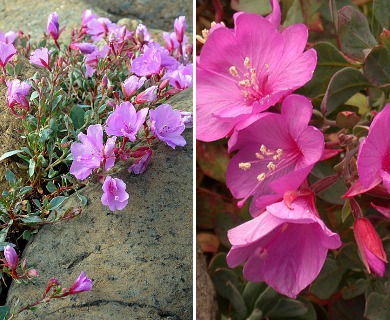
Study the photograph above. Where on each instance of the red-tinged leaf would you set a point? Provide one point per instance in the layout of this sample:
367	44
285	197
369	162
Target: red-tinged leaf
330	153
208	205
208	242
324	183
385	38
212	159
382	210
343	85
347	119
377	66
354	35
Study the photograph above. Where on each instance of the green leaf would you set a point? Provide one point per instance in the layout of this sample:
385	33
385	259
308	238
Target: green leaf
25	189
9	154
228	286
354	33
218	261
251	293
56	202
77	116
356	289
343	85
31	168
261	7
287	308
34	95
329	61
346	211
377	307
26	235
267	299
381	10
377	66
328	280
51	187
4	312
83	199
10	176
32	219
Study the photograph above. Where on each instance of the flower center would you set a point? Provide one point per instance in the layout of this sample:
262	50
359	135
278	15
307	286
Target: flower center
252	86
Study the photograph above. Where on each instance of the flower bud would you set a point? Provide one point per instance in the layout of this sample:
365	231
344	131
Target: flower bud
32	273
180	27
82	283
370	246
52	26
140	165
148	95
104	81
11	257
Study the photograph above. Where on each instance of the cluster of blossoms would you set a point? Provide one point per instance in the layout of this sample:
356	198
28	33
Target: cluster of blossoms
245	94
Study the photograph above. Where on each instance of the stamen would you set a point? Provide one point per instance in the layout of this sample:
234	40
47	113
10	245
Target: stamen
265	151
233	71
271	166
245	83
244	165
247	62
266	66
259	156
261	177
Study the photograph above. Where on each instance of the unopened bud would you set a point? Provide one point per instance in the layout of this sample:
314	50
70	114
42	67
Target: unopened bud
104	81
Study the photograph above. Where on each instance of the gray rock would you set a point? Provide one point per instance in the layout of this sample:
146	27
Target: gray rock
156	14
140	259
206	303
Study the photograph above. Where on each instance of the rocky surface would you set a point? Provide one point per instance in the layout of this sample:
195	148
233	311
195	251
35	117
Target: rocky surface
140	259
206	303
31	16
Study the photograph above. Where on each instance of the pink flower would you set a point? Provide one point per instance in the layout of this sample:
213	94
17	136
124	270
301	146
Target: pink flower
82	283
181	78
41	57
115	195
373	161
99	28
7	51
9	37
149	95
186	118
131	85
86	17
91	153
16	95
125	121
167	126
11	257
286	246
53	27
246	70
180	28
84	47
92	59
370	246
276	153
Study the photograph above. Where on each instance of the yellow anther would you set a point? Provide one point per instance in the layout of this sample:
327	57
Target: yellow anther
261	177
265	151
279	151
233	71
271	166
259	155
266	66
244	83
247	62
244	165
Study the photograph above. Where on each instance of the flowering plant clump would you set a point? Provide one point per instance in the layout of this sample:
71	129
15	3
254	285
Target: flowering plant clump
294	197
94	100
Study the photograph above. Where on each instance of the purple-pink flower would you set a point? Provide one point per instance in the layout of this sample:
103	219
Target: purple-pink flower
286	246
53	28
92	59
181	78
244	71
370	246
131	85
275	153
17	95
125	121
142	34
91	153
81	284
149	95
99	28
41	57
8	37
87	16
139	166
167	126
373	161
114	194
7	51
11	257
